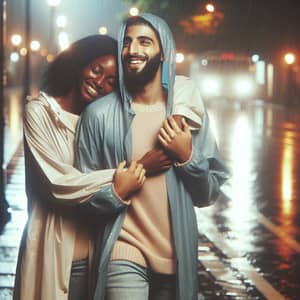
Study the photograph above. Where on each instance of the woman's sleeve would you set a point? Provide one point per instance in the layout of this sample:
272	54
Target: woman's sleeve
206	171
188	102
66	184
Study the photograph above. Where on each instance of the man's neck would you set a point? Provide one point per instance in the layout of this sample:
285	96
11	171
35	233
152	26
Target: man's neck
152	92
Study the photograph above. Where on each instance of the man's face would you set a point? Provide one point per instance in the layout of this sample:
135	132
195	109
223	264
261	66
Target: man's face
141	53
98	78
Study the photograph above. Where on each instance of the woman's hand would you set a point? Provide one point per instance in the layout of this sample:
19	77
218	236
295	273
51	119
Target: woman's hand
155	161
128	181
175	140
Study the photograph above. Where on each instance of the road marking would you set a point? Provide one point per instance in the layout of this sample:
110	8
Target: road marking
292	243
260	282
275	229
239	263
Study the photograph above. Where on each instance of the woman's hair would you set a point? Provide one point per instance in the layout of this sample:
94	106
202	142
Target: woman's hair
63	74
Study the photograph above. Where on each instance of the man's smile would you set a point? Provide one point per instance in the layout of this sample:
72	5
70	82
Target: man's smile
135	61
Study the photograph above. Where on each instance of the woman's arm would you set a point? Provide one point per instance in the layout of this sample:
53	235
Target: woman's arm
187	101
53	158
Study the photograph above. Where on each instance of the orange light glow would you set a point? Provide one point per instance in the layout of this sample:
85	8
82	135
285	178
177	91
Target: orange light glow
23	51
50	58
287	174
289	58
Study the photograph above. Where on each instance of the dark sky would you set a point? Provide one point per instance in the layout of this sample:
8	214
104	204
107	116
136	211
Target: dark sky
263	24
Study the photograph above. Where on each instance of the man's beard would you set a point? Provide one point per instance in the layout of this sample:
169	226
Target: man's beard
135	81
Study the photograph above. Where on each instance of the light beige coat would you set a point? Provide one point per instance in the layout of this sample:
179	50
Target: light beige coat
47	246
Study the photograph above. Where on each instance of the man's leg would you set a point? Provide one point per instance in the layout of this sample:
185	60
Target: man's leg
162	287
79	280
126	281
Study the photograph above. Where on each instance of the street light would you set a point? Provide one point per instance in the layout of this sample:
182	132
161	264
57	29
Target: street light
14	57
291	88
289	58
210	7
255	58
134	11
61	21
16	40
23	51
35	46
103	30
63	40
50	58
179	57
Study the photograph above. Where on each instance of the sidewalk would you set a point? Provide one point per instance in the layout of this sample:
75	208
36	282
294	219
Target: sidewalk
11	236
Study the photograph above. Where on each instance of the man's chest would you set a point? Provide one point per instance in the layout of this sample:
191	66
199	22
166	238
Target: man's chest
131	139
145	129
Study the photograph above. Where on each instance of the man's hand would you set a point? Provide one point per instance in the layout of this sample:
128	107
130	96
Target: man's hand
155	161
128	181
175	140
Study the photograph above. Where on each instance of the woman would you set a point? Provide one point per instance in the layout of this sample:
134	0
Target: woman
57	245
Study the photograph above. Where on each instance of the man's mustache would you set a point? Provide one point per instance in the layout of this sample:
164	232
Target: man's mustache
129	57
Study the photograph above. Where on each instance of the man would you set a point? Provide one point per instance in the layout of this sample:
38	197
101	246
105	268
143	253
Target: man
149	250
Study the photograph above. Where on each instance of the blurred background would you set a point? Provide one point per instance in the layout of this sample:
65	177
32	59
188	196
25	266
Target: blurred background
245	58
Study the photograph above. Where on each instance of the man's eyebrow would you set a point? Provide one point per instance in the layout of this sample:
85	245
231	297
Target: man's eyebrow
145	37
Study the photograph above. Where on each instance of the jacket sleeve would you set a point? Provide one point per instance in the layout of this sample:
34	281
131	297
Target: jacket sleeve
88	158
66	184
205	172
187	101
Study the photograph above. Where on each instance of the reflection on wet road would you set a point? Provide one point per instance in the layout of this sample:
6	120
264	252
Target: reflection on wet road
260	217
250	239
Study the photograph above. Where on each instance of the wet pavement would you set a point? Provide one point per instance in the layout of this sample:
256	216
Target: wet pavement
11	234
260	217
249	243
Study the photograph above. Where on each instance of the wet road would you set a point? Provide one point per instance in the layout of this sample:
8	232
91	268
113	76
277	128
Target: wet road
250	239
258	223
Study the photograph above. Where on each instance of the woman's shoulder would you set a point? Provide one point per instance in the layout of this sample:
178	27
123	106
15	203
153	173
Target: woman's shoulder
35	105
40	109
103	105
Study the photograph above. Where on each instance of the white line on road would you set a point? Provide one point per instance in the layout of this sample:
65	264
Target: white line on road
275	229
239	263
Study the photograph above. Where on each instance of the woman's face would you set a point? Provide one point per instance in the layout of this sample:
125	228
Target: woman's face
98	78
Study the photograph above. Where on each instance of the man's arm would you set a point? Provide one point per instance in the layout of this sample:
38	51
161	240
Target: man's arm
114	196
199	163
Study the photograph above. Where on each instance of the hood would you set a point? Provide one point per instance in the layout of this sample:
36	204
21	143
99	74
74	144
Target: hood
168	67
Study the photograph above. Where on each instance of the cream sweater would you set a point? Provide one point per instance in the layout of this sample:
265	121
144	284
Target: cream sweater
146	236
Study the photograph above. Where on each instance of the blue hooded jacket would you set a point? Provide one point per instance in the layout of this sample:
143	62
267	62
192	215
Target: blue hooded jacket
104	139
